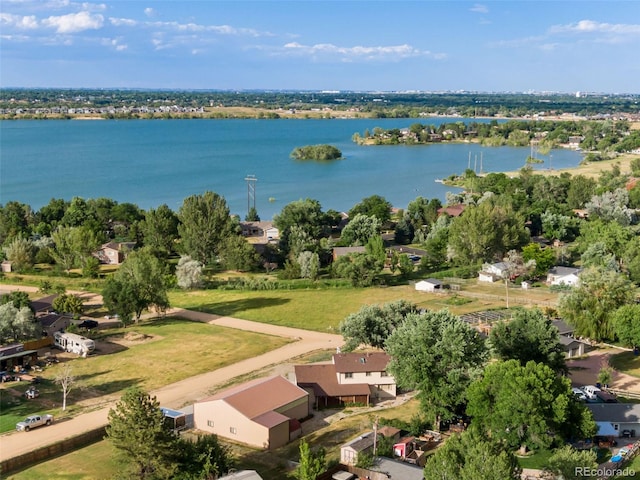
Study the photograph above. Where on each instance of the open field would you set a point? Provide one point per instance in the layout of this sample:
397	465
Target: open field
150	355
323	310
626	362
591	169
96	462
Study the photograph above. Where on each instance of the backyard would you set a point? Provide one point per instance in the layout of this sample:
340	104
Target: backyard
152	354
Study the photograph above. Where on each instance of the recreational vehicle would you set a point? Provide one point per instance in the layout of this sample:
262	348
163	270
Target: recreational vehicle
70	342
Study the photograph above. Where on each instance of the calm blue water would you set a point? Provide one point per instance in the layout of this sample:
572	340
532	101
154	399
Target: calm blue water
151	162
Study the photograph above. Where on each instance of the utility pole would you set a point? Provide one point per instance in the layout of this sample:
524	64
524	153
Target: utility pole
251	191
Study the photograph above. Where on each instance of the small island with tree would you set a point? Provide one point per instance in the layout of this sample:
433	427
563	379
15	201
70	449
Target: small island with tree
316	152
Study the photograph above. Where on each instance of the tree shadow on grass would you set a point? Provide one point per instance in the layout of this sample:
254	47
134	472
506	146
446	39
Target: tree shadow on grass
233	307
107	388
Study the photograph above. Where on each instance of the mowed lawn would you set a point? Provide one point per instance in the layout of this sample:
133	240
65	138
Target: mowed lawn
164	351
323	309
150	355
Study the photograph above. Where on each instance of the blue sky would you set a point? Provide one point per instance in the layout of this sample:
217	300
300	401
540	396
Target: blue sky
564	46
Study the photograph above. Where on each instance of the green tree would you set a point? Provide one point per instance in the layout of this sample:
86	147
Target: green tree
68	303
309	265
252	215
160	230
189	272
312	463
373	206
203	459
372	324
141	280
20	253
17	324
486	232
405	265
359	230
438	354
238	254
63	251
137	429
309	220
361	269
544	258
205	223
529	336
589	307
17	298
14	221
521	405
626	325
470	456
566	463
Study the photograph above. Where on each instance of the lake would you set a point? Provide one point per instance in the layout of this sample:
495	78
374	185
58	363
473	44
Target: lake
151	162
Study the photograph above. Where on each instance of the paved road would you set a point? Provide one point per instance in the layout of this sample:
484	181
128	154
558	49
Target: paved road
184	392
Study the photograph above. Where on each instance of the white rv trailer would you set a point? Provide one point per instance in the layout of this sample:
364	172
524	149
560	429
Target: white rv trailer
71	342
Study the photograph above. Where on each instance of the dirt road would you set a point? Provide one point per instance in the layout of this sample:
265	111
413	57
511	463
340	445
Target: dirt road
184	392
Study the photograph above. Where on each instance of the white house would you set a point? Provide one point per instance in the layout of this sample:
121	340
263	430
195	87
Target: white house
429	285
563	276
492	272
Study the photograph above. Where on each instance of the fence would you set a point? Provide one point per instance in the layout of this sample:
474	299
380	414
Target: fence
51	451
624	393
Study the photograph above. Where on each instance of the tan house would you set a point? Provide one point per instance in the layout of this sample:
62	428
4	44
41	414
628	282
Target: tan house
349	378
113	253
263	232
264	413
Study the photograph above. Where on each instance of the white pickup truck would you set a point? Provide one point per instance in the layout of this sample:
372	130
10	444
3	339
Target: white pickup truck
34	421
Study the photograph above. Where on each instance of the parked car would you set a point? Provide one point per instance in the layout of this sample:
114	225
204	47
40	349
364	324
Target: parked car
590	391
579	394
34	421
88	324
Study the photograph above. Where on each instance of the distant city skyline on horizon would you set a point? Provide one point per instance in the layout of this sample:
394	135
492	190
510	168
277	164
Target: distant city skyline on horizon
562	47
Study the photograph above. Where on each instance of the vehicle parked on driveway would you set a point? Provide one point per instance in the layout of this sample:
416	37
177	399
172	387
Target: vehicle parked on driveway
579	394
88	324
34	421
590	391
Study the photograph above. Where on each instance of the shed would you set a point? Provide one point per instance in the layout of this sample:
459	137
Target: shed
175	419
5	266
428	285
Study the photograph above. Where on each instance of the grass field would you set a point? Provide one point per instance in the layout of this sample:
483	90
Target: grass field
194	348
626	362
323	310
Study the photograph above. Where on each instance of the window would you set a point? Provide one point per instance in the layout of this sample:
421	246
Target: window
368	374
616	427
233	430
209	423
348	375
383	374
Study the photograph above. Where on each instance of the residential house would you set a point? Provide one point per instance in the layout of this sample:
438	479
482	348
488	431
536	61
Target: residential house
563	276
53	322
349	378
14	357
572	347
43	305
113	253
429	285
452	210
620	416
264	413
261	232
492	272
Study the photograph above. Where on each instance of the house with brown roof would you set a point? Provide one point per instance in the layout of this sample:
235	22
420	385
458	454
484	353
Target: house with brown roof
262	231
349	378
452	210
113	253
264	413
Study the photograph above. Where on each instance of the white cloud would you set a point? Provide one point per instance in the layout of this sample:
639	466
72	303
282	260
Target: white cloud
114	43
26	22
122	22
590	26
74	22
219	29
479	8
149	12
393	52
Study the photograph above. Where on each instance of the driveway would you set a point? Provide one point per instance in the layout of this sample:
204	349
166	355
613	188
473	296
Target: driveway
584	371
184	392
